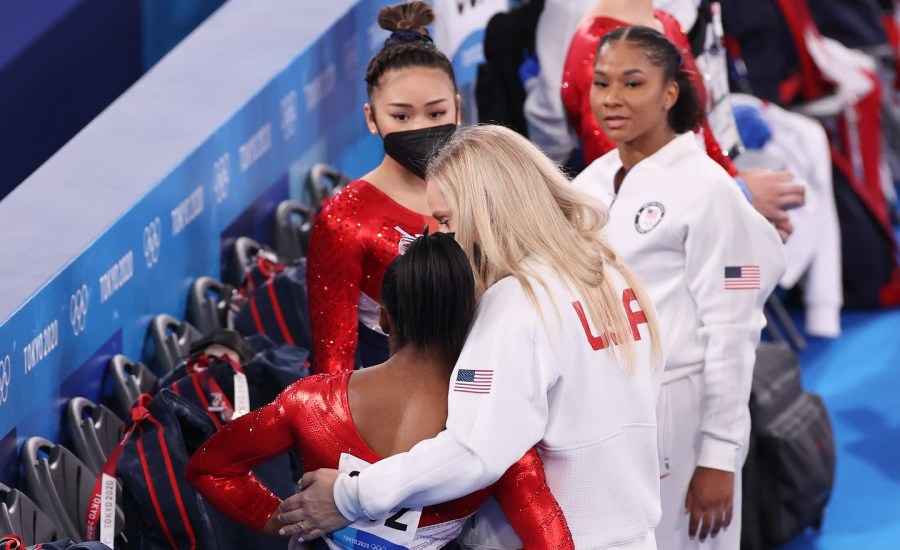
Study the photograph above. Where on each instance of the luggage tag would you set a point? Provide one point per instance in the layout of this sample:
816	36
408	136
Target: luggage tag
241	395
397	532
713	66
101	513
109	486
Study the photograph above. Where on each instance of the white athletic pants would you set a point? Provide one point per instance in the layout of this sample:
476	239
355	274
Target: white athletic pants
678	415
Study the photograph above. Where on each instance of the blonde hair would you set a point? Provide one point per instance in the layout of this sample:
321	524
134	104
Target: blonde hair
510	203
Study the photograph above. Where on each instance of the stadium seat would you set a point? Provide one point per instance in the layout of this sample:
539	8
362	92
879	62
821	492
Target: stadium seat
20	515
172	341
292	226
242	253
207	304
323	182
59	483
131	379
62	486
95	431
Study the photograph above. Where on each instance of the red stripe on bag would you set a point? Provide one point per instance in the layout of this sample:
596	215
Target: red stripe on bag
278	315
254	311
153	499
173	481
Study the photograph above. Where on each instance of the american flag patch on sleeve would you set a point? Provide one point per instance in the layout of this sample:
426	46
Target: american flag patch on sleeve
473	381
742	277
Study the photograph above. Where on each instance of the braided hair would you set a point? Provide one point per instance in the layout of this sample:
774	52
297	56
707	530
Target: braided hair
409	45
687	112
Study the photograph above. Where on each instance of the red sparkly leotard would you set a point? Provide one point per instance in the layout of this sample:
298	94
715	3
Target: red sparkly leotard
578	77
313	415
356	235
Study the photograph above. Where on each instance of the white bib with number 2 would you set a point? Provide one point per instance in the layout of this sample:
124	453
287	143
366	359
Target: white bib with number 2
396	532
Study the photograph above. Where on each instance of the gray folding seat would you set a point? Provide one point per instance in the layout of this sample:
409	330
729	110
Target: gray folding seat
131	379
208	302
242	252
61	485
95	431
172	341
291	229
324	181
21	516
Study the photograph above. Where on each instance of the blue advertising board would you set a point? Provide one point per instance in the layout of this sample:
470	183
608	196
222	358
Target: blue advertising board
57	343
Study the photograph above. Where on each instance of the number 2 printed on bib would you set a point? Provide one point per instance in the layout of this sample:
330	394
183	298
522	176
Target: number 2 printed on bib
396	532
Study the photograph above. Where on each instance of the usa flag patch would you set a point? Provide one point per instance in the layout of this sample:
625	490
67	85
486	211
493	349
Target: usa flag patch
473	381
742	277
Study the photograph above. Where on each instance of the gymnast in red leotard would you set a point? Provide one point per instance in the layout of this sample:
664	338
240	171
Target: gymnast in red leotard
352	419
413	105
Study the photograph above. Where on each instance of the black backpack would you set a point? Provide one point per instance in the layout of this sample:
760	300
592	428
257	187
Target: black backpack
789	472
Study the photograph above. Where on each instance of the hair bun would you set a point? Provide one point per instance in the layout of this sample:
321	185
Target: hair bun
409	44
413	16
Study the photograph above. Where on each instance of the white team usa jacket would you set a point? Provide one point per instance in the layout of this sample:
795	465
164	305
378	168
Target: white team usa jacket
519	383
709	261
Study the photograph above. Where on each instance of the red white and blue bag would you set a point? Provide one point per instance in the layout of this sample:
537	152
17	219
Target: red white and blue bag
162	510
272	300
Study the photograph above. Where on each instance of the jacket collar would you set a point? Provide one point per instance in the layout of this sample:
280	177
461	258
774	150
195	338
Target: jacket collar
681	146
670	153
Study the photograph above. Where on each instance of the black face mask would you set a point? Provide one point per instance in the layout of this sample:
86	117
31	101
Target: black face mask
414	148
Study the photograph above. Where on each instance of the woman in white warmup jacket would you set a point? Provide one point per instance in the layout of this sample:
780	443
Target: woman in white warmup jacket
709	261
560	355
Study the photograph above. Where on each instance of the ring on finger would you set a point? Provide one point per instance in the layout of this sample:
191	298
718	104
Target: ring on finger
303	527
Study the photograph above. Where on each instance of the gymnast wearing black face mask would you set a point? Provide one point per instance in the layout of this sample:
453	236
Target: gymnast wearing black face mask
413	106
412	149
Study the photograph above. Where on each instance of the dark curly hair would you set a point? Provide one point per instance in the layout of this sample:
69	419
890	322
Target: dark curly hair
687	112
409	44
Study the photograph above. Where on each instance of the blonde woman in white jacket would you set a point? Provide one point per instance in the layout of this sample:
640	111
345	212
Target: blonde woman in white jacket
709	261
560	356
